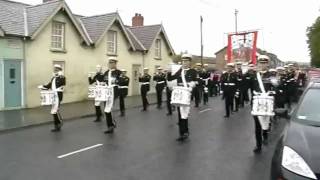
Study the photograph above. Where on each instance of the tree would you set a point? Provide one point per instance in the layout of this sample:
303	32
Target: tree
313	35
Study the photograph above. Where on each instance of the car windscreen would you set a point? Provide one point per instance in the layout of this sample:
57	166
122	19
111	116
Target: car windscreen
308	111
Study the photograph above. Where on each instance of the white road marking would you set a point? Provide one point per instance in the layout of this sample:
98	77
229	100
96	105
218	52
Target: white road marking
205	110
78	151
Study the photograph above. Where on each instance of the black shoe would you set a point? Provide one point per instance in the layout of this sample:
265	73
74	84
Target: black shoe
122	114
226	116
109	131
265	142
257	150
143	110
180	139
97	120
169	114
55	130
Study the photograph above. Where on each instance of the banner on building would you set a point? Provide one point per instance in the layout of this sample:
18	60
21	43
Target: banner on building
242	47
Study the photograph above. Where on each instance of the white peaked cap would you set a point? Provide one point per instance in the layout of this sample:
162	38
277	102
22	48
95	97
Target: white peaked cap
186	57
57	66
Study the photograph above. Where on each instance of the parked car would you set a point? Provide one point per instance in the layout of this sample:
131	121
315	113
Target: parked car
297	154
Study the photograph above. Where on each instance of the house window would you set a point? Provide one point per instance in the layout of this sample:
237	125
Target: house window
61	63
112	42
57	37
158	49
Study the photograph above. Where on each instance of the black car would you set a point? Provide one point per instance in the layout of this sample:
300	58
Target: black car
297	155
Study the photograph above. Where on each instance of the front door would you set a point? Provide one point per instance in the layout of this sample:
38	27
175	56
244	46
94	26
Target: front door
135	80
12	83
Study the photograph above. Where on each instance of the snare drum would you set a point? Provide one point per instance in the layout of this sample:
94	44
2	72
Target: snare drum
46	97
263	105
180	96
103	93
92	92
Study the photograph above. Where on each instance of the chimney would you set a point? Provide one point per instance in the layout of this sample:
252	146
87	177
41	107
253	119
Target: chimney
137	20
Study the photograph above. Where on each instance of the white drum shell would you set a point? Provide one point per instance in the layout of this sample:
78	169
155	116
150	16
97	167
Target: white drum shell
103	93
181	96
46	97
92	92
263	106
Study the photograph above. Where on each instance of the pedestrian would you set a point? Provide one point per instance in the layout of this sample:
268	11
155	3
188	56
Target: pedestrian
145	87
97	79
111	78
123	90
57	84
160	79
228	87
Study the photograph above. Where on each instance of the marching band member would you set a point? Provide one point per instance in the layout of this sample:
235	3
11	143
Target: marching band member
228	87
57	85
281	89
188	75
239	87
160	79
169	79
145	87
97	79
123	90
291	82
197	90
205	78
111	78
263	63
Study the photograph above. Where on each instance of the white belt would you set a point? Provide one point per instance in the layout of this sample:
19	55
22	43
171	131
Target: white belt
160	82
123	87
230	84
145	83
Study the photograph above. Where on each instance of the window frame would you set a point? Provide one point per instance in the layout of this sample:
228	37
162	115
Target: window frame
60	37
114	41
157	52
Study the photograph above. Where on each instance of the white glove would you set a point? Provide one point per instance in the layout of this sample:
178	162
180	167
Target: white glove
40	86
221	92
89	74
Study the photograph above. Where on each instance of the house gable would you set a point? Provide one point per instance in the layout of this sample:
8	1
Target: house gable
46	12
147	35
98	26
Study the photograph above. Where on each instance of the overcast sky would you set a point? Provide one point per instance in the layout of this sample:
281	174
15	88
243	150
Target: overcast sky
281	23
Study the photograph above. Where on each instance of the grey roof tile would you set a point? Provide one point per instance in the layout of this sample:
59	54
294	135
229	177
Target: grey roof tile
96	25
38	14
11	17
146	34
134	40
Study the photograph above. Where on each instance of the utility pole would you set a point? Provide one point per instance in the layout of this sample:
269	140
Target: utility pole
236	19
201	21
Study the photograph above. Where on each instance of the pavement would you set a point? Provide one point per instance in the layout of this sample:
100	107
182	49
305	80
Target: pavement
22	118
143	147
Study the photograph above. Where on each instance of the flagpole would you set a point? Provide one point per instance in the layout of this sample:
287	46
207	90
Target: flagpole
236	19
201	20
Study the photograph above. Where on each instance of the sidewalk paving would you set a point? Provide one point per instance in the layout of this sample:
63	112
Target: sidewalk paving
16	119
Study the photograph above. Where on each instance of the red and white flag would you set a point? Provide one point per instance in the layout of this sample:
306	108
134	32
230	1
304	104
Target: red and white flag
242	47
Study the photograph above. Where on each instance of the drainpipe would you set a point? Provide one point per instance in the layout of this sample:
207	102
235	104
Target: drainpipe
24	73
